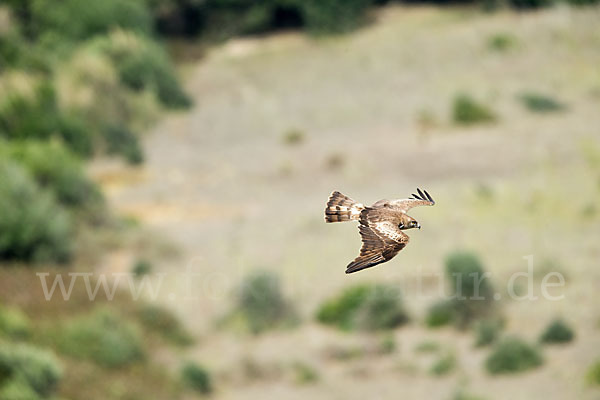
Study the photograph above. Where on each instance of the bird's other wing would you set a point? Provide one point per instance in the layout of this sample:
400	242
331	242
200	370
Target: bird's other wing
381	238
421	199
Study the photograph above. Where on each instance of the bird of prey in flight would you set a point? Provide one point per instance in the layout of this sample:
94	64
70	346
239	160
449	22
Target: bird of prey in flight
380	225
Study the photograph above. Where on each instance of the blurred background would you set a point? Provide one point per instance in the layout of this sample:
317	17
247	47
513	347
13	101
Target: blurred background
165	164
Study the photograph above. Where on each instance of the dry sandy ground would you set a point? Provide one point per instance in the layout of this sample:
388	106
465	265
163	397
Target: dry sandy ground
374	108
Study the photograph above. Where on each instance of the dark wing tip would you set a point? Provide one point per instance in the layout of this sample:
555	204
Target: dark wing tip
429	197
423	195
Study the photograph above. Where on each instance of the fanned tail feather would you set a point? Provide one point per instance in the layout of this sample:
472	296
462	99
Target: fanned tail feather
341	208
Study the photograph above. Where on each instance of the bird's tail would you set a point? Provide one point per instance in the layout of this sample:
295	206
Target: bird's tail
341	208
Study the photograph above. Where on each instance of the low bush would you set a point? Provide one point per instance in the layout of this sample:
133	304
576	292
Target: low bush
501	42
512	355
165	323
440	314
102	337
55	168
141	267
334	16
142	64
487	331
471	290
197	378
120	140
540	103
468	111
260	304
80	19
33	227
364	307
14	324
38	116
27	371
557	332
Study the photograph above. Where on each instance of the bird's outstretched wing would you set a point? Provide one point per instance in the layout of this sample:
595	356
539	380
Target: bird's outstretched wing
381	238
421	199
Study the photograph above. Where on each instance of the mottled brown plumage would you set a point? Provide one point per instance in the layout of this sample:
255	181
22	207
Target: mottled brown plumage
380	225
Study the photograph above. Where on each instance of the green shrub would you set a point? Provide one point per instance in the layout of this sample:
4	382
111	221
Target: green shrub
102	337
141	267
557	332
197	378
32	227
512	355
501	42
120	140
471	290
364	307
593	374
14	323
163	322
467	111
440	314
39	117
81	19
142	64
27	371
55	168
260	303
487	332
334	16
444	365
539	103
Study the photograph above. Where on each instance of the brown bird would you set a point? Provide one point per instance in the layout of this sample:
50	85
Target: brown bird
380	225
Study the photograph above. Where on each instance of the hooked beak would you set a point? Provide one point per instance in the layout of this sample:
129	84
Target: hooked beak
419	226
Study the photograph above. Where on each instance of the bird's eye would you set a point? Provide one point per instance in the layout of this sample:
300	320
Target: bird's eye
414	223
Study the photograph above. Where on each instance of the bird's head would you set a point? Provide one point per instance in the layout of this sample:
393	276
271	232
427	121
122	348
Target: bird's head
409	223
